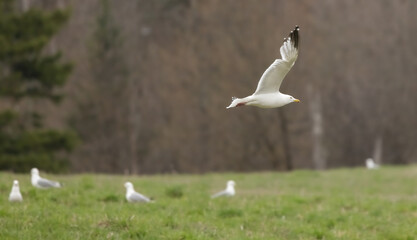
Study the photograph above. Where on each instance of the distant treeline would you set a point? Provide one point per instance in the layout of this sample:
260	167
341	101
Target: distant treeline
151	80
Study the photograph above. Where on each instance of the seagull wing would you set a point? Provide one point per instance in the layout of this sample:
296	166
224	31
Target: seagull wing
137	197
272	78
45	183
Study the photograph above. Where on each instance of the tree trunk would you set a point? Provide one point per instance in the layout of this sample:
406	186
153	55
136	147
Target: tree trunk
134	122
285	140
319	160
25	5
378	150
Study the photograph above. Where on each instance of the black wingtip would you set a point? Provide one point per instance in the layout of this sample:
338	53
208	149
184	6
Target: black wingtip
294	36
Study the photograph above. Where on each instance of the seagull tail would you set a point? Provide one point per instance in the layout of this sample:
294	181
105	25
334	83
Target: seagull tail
218	194
215	196
236	102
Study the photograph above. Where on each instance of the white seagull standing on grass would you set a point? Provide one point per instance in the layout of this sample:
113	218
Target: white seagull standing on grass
228	192
133	196
370	164
267	94
39	182
15	195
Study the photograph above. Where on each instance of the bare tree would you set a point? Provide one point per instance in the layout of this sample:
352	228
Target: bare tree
319	160
185	59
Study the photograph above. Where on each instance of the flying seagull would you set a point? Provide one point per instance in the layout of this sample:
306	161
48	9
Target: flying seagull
15	195
39	182
228	192
267	94
133	196
370	164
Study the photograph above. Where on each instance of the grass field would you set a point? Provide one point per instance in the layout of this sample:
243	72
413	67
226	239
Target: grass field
336	204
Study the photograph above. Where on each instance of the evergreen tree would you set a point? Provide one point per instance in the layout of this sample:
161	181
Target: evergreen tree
28	74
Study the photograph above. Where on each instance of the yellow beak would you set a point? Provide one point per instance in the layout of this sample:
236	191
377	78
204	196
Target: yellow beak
296	100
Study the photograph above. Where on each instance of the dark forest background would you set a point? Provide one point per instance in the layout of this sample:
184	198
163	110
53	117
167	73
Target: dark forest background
150	80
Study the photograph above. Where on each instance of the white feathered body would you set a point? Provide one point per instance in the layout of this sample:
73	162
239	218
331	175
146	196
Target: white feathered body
42	183
267	100
267	94
228	192
15	195
370	164
133	196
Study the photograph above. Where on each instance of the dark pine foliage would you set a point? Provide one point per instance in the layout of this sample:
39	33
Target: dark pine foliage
28	73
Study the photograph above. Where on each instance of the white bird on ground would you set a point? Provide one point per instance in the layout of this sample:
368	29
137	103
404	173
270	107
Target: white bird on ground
39	182
228	192
133	196
15	195
370	164
267	94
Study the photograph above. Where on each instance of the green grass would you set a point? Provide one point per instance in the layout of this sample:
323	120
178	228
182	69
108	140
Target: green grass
336	204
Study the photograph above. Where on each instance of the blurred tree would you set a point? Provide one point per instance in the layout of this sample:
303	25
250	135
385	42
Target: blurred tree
171	66
103	116
28	75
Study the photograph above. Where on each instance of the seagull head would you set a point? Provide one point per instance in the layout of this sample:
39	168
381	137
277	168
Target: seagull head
34	171
292	99
128	185
16	183
231	183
